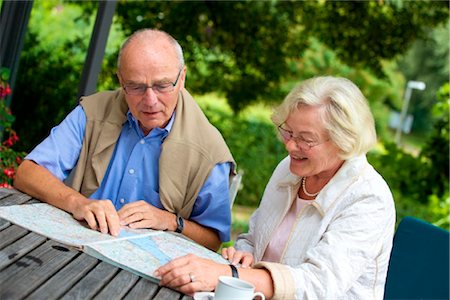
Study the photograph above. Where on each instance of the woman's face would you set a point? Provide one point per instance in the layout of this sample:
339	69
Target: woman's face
311	150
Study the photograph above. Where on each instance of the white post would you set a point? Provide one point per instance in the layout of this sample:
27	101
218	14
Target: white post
418	85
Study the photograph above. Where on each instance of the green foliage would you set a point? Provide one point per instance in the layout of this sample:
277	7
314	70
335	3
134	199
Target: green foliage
51	65
239	48
405	173
9	158
56	60
426	61
436	150
253	142
365	33
421	184
245	50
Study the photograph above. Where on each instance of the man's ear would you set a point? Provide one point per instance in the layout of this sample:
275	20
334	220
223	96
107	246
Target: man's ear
183	76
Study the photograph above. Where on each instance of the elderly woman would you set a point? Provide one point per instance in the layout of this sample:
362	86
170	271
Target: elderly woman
325	224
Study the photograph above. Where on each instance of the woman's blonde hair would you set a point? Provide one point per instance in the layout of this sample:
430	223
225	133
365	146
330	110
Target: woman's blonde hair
345	112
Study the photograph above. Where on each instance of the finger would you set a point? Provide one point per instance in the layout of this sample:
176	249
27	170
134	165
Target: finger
101	220
173	264
173	278
237	257
112	218
136	217
179	281
132	208
141	224
247	261
89	217
229	253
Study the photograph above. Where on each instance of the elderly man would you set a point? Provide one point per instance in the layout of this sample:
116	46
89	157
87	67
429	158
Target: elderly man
146	153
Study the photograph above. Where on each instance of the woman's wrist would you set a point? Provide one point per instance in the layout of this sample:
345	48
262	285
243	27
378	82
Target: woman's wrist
234	271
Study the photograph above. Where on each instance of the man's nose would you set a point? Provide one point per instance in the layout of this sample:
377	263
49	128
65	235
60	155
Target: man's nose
150	97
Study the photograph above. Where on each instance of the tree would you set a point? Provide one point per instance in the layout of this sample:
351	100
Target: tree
364	33
243	49
428	61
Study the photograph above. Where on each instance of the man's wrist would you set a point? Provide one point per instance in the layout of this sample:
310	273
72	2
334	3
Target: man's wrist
180	223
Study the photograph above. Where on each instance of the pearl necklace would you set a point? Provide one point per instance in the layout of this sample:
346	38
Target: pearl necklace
305	191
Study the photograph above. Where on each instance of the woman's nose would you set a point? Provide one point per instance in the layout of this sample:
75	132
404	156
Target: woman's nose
291	145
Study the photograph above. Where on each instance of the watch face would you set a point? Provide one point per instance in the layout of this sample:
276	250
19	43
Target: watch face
180	224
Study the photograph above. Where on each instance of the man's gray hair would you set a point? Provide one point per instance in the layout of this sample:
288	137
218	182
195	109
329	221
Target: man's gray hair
150	34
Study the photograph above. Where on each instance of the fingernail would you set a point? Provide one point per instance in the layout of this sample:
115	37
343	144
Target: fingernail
123	223
156	273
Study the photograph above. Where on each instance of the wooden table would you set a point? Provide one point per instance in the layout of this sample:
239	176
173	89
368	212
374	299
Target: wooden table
34	267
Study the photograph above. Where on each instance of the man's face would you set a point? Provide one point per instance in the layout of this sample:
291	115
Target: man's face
156	65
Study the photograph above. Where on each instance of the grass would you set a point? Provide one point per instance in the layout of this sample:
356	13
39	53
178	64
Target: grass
240	216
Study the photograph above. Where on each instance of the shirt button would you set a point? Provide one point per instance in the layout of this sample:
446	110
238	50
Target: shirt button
131	171
142	141
122	200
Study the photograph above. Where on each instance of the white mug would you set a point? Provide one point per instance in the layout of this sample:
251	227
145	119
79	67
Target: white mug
230	288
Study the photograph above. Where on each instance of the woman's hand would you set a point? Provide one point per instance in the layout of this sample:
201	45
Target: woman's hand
190	273
238	257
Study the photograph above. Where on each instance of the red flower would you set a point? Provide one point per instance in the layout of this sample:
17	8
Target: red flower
8	143
5	185
9	172
4	91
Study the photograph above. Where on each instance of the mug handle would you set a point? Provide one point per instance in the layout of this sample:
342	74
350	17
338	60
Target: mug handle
260	295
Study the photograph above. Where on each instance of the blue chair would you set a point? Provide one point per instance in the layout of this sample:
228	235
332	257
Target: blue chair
419	264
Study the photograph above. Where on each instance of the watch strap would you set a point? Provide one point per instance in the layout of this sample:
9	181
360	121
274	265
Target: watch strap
234	271
180	224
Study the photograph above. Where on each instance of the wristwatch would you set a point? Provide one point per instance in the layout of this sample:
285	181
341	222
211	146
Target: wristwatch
180	224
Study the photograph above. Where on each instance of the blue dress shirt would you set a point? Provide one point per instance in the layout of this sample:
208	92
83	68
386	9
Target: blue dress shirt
133	173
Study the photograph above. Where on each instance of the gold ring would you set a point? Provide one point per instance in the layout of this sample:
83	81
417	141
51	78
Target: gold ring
192	277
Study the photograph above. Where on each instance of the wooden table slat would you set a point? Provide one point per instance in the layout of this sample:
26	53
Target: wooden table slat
4	224
19	248
37	266
143	289
66	278
11	234
92	282
166	294
118	286
13	197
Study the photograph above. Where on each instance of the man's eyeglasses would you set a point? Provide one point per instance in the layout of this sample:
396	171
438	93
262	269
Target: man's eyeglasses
139	89
298	140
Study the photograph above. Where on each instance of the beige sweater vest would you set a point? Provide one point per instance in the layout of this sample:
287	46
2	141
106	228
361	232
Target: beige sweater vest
189	153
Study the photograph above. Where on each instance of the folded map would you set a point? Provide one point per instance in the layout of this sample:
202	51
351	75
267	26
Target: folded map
140	251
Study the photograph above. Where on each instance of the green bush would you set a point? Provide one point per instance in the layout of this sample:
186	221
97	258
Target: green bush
252	141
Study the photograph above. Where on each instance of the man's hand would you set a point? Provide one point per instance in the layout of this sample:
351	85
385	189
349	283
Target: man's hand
100	215
141	214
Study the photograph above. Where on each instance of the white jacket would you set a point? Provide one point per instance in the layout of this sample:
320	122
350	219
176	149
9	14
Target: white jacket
339	246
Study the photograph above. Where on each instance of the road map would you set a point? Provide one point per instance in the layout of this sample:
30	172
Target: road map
140	251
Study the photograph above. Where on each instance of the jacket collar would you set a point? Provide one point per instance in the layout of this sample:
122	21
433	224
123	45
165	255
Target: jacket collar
348	174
